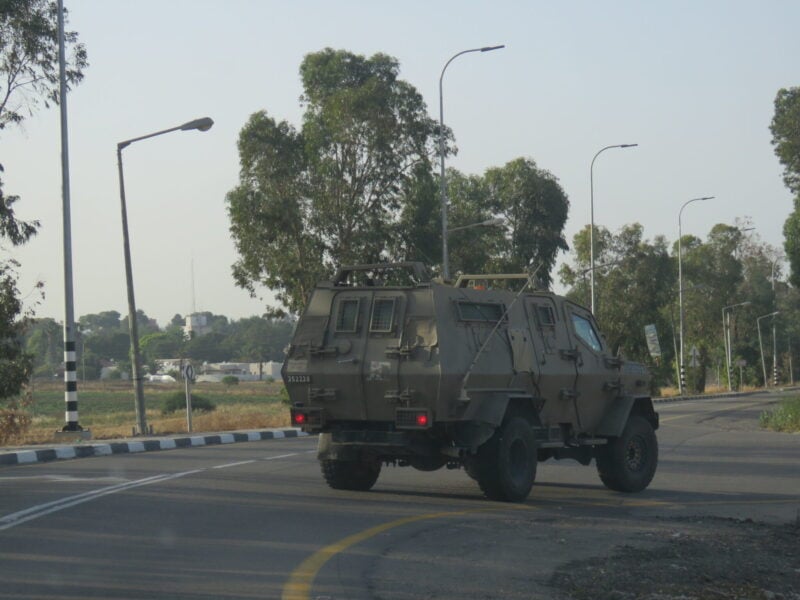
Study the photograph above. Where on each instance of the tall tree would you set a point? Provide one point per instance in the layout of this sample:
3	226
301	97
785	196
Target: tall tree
785	128
330	193
15	363
469	202
535	209
634	279
28	77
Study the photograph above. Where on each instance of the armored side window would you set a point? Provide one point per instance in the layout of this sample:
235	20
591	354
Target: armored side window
546	314
480	311
382	319
585	331
347	319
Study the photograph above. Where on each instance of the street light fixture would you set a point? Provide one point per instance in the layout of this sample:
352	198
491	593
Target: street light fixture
591	212
443	187
203	124
682	380
761	346
726	339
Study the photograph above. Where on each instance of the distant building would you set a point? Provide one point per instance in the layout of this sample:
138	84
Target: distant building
266	370
196	325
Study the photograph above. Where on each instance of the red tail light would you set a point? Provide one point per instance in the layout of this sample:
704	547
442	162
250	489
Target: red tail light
300	419
413	418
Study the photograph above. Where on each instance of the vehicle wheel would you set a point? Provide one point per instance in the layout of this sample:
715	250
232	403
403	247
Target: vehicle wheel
506	464
628	463
471	467
358	475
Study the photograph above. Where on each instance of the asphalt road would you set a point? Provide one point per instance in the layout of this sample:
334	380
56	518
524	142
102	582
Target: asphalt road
255	520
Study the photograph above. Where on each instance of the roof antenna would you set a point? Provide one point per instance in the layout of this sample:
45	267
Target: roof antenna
194	304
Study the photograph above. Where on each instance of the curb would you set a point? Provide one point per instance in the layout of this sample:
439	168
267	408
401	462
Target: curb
29	455
724	395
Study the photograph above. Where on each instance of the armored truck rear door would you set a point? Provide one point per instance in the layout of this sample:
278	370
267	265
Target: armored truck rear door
380	368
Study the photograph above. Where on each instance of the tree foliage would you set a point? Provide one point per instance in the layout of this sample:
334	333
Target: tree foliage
28	76
785	128
634	280
29	71
535	208
330	193
15	363
636	284
532	206
103	339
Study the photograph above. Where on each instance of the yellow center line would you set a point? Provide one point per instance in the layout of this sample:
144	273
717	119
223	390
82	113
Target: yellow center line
298	586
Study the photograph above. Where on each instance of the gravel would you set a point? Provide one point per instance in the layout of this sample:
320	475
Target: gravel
703	558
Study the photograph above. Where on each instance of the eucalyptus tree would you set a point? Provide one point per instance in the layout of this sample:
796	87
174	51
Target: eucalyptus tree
535	209
332	191
785	129
634	280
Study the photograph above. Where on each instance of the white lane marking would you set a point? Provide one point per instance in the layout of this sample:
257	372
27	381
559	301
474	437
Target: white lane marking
234	464
280	456
28	514
41	510
61	478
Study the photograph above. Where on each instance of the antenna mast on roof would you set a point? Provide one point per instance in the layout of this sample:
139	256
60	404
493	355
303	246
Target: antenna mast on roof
194	304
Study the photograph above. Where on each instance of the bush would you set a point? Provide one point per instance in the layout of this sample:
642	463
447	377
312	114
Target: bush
230	380
177	401
14	417
785	417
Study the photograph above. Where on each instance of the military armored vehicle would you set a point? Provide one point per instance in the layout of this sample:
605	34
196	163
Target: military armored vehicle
390	367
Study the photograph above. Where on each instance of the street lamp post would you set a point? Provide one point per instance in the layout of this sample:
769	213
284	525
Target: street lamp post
726	339
682	380
761	346
443	187
591	213
203	124
774	334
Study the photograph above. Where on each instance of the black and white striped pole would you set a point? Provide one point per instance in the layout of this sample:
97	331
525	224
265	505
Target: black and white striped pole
70	358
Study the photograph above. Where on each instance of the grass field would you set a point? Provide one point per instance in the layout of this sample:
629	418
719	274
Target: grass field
108	409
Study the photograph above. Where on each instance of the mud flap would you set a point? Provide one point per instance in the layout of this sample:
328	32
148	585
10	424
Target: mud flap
614	421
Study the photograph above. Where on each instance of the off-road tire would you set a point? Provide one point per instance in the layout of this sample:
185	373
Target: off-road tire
505	466
628	463
357	475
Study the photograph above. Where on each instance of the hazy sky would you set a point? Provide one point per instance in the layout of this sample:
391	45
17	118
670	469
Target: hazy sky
693	83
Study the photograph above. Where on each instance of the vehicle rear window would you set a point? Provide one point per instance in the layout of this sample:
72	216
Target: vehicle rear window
546	315
347	319
382	318
480	311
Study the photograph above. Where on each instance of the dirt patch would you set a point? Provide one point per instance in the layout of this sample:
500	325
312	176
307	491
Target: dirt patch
693	559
